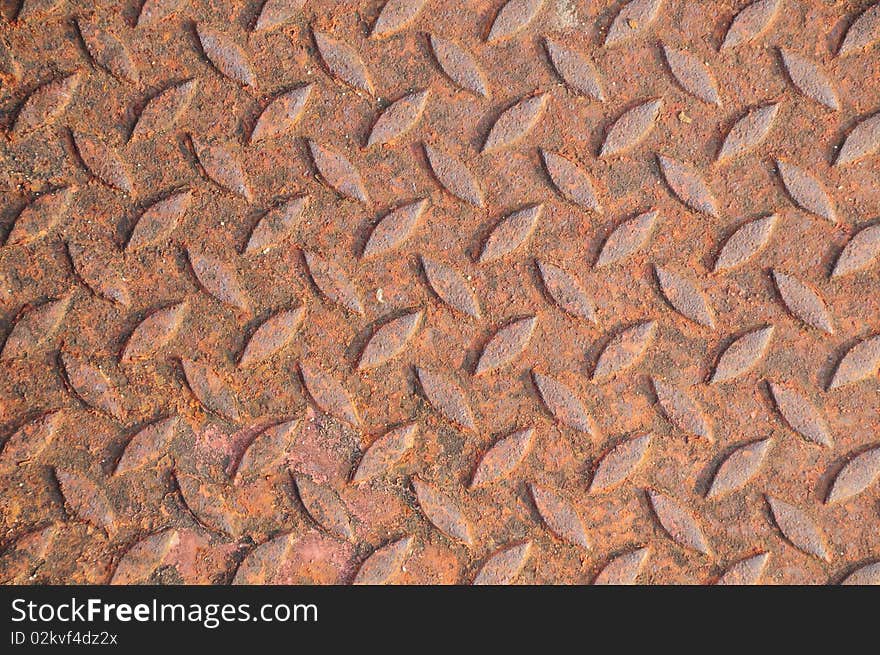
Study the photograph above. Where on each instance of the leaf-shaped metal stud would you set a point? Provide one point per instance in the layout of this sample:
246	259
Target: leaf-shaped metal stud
459	65
222	166
624	350
860	252
343	62
504	566
809	79
571	181
163	110
389	340
210	389
147	445
87	500
338	172
633	17
39	217
281	114
385	451
626	238
393	229
108	52
803	302
869	574
513	17
29	441
142	560
684	296
688	186
746	242
862	141
276	13
333	283
864	31
575	70
566	291
453	176
210	504
92	385
564	404
398	118
738	468
678	523
395	16
276	225
153	333
99	272
510	233
226	55
34	327
560	516
450	287
446	397
158	220
798	528
806	191
443	512
328	394
746	571
800	414
750	23
103	162
742	355
297	557
219	280
682	410
267	454
692	74
504	456
623	569
384	563
630	128
46	104
514	122
858	474
273	335
505	345
153	11
859	363
748	132
619	463
324	506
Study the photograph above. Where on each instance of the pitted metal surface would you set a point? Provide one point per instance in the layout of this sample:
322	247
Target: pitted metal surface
536	291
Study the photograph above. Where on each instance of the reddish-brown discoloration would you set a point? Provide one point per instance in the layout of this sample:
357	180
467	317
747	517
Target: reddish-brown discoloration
296	293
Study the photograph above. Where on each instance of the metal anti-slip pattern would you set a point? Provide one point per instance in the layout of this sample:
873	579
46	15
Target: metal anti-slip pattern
536	291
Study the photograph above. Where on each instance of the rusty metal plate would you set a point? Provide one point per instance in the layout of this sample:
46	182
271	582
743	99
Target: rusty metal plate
528	292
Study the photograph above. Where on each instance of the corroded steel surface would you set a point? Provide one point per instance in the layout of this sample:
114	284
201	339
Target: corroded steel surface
533	291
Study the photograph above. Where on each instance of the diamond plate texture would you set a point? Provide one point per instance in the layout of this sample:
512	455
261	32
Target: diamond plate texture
535	291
